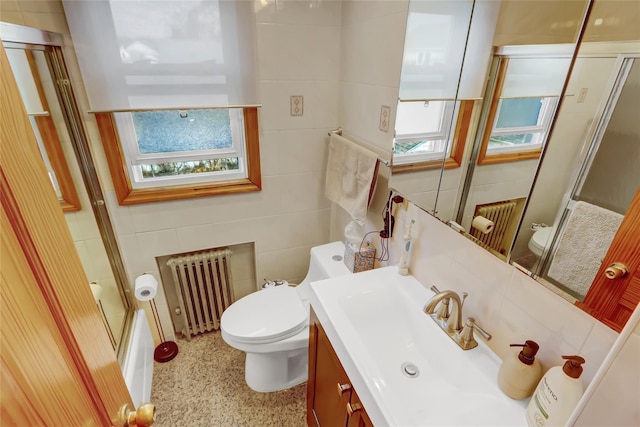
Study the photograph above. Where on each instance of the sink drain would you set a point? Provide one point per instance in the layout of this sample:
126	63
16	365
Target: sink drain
336	258
410	370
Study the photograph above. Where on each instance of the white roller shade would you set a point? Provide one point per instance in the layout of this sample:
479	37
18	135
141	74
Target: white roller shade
164	53
434	48
535	77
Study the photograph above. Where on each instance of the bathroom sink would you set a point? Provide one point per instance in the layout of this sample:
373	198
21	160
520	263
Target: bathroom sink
406	370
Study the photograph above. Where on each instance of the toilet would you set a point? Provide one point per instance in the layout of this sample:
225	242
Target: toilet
272	325
538	241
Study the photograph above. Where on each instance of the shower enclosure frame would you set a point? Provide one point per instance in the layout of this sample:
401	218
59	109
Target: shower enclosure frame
17	36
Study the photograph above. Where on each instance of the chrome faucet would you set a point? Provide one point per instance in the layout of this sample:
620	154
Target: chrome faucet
451	320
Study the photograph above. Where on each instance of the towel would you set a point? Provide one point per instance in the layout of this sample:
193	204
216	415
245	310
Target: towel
351	176
583	245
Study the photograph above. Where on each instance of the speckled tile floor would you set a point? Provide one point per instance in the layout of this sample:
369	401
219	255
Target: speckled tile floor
204	386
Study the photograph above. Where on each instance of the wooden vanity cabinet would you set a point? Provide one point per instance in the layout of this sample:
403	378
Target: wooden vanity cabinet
331	400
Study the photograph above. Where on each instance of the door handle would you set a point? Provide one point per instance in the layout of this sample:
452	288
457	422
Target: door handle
616	271
143	417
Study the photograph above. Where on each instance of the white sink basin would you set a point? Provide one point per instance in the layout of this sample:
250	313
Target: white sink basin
376	325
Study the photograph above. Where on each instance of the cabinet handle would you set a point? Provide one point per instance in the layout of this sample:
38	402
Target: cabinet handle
355	407
342	388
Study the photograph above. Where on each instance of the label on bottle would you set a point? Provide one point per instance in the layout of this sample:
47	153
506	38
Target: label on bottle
539	407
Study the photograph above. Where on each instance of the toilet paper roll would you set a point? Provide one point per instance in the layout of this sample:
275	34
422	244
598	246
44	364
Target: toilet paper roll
146	287
482	224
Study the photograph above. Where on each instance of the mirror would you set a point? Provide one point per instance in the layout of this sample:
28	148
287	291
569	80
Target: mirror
589	174
434	48
519	34
36	61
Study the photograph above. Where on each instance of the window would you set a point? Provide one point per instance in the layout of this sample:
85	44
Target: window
521	124
522	108
183	146
424	132
173	154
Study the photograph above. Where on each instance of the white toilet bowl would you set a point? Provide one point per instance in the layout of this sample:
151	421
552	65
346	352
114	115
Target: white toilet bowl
271	325
538	241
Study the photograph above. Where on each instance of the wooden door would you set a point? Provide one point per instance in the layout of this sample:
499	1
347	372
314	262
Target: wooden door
58	366
613	301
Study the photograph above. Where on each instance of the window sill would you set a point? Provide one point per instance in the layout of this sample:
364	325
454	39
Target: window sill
177	192
509	157
449	163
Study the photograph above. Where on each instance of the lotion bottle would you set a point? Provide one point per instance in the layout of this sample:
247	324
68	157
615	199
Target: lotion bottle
557	394
519	374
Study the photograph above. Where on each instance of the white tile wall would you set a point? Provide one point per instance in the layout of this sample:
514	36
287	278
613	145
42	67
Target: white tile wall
510	305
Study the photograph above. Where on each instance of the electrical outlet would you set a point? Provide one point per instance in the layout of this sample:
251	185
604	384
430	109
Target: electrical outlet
582	95
385	113
297	105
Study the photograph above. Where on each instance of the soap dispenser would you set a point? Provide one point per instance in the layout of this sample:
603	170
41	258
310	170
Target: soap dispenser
557	394
519	375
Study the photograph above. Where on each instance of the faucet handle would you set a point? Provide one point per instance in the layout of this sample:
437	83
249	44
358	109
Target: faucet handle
466	336
470	325
442	313
434	289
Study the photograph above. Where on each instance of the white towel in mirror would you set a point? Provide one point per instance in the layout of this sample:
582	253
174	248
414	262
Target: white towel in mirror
582	246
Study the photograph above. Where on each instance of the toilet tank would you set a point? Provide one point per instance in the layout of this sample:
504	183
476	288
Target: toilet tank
326	261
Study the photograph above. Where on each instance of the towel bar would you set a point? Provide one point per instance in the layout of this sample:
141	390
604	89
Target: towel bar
338	131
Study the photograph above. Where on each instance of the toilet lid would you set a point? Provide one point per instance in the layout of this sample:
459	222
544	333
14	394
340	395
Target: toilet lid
268	315
540	237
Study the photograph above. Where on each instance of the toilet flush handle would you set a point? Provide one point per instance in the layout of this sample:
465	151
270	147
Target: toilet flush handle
616	271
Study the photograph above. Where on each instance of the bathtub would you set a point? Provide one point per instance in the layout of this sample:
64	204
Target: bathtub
137	367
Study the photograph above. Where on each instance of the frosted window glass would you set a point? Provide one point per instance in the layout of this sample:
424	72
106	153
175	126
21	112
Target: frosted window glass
164	54
535	77
434	49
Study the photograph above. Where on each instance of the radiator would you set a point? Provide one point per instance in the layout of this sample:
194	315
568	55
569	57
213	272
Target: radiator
500	213
204	289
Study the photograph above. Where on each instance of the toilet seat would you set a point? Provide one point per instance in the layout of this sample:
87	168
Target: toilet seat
265	316
539	239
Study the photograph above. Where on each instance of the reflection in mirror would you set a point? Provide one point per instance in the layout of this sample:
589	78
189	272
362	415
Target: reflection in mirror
522	94
427	112
588	181
505	28
35	85
36	62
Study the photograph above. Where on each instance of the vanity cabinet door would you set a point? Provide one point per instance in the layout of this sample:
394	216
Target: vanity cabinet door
328	389
331	400
357	415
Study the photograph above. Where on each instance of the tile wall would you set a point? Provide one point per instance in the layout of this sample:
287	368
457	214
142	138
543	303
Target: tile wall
507	303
